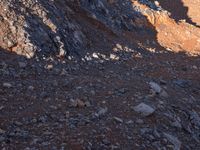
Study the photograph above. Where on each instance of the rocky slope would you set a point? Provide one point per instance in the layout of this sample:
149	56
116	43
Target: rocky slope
104	74
46	27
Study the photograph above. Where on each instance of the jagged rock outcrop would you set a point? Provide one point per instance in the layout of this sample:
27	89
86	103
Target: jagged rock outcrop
43	28
51	27
39	26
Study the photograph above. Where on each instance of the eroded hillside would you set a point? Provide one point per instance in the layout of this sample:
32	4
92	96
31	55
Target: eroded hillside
99	74
62	27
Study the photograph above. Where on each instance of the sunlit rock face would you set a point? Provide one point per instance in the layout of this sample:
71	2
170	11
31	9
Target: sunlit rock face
64	27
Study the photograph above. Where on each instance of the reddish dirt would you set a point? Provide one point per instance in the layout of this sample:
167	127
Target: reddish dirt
172	33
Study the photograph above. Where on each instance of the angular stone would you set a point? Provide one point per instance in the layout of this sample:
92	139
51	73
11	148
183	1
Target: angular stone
144	109
155	87
174	140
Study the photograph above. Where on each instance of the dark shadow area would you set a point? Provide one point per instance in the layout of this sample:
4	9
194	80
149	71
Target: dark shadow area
177	9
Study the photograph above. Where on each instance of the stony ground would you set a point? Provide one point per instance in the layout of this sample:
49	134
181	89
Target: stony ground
130	89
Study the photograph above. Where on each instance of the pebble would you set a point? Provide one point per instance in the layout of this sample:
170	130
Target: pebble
22	64
176	124
30	88
164	94
79	103
7	85
2	131
114	57
2	107
155	87
101	112
182	83
88	104
117	119
195	118
144	109
174	140
139	121
49	66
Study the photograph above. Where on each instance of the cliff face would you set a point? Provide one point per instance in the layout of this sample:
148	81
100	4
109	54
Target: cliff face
65	27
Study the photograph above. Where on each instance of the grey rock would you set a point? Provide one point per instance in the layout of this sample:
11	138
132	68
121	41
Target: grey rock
195	119
174	140
7	85
2	131
22	64
2	138
144	109
182	83
101	112
139	121
155	87
117	119
176	124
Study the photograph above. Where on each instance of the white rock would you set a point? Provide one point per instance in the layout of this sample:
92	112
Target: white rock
144	109
114	57
95	55
156	3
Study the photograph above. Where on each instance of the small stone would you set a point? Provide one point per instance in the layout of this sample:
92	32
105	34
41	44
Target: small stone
194	67
176	124
63	72
101	112
55	83
77	103
1	140
130	122
164	94
182	83
93	92
144	109
18	123
114	57
155	87
80	103
195	118
87	104
139	121
22	64
156	3
30	88
2	131
2	107
95	55
174	141
49	66
7	85
117	119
